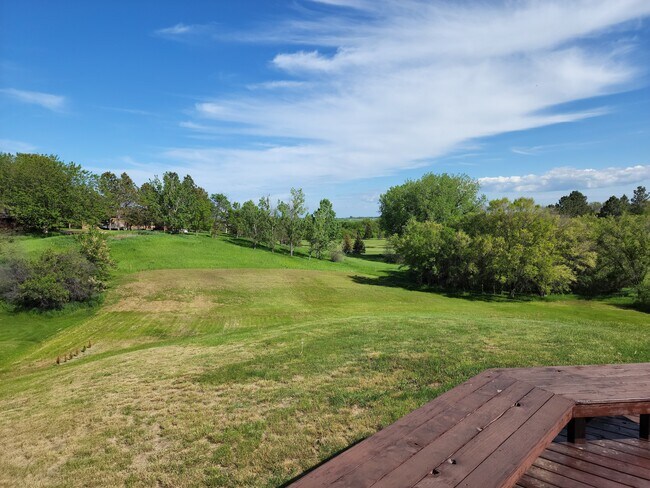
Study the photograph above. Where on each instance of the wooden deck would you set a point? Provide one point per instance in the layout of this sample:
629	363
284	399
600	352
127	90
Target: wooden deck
612	456
488	431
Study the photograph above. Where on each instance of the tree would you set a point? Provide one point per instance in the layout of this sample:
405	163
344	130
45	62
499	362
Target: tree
221	209
439	198
640	202
270	225
347	247
573	205
517	249
196	206
359	246
252	225
150	203
613	207
42	193
623	247
291	217
120	198
323	229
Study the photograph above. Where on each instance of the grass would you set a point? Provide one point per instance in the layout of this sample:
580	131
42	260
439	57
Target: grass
216	364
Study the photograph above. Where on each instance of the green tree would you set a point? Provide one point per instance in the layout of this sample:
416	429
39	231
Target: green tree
291	217
440	198
359	246
323	229
623	247
613	207
573	205
221	209
518	249
347	246
42	193
120	198
252	222
640	202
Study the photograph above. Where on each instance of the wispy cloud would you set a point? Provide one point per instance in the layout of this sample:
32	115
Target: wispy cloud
11	146
560	179
56	103
415	81
187	32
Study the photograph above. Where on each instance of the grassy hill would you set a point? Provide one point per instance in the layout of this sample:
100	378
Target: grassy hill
216	364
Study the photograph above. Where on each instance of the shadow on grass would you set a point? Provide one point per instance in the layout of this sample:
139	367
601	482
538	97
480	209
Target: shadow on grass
306	472
404	279
242	242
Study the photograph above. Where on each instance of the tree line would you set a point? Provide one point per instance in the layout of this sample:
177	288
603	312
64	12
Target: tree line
42	193
446	233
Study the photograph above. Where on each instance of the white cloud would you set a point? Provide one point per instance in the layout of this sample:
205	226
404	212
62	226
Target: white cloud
558	179
55	103
11	146
414	81
175	30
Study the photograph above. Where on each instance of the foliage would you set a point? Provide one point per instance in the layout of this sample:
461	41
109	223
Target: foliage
347	244
323	228
42	193
51	281
513	246
93	246
120	199
438	198
221	211
291	216
640	202
359	246
573	205
614	207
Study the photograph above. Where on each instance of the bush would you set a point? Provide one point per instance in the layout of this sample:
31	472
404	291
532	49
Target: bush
93	247
359	246
347	244
51	281
337	256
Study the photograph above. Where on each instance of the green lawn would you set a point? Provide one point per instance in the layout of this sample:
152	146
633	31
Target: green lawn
216	364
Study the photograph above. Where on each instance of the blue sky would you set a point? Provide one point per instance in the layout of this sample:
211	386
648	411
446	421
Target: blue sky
343	98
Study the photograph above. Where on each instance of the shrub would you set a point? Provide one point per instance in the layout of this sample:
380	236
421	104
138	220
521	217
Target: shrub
359	246
93	247
347	244
51	281
337	256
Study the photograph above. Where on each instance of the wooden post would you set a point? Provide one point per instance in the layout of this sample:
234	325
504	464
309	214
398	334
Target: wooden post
644	426
575	430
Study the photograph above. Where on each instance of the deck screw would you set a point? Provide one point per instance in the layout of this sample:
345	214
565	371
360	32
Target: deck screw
451	461
517	404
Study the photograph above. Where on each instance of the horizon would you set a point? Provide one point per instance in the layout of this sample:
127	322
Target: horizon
343	98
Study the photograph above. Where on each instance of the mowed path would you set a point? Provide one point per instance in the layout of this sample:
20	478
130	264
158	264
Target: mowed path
247	377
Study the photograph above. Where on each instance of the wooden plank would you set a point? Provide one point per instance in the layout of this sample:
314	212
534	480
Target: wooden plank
511	460
390	457
576	474
609	448
553	479
436	453
327	473
471	455
610	459
613	408
595	469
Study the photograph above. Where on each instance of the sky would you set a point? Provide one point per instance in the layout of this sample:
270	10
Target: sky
343	98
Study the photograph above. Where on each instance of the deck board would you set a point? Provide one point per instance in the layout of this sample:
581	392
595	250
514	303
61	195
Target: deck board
495	430
599	463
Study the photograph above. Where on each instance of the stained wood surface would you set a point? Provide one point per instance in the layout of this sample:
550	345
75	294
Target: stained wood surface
495	429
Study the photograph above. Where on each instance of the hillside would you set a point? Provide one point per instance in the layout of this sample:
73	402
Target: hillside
214	363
